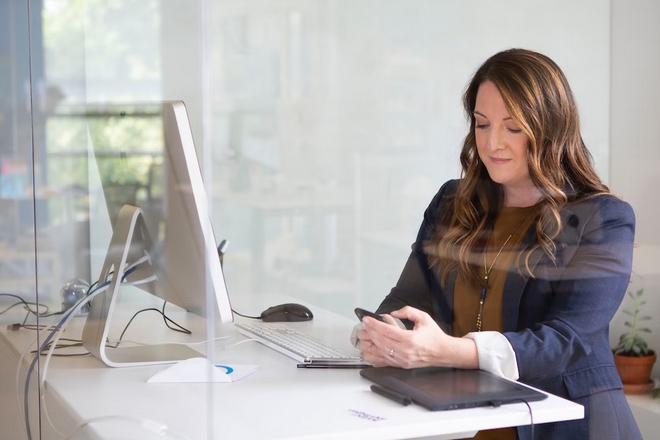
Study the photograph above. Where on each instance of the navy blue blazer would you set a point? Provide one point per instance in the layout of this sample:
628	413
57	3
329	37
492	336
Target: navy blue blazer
558	320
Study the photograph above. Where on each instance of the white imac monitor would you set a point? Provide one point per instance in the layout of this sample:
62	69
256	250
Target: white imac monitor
155	196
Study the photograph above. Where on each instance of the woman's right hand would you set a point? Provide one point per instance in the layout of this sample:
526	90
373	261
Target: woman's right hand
385	344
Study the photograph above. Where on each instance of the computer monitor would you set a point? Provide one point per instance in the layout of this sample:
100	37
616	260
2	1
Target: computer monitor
157	204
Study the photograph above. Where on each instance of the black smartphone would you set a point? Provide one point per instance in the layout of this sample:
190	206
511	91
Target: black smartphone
361	313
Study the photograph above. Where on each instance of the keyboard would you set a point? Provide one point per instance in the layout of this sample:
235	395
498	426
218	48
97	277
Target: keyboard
295	344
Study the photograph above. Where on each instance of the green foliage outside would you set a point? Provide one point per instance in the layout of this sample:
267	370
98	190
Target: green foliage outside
88	45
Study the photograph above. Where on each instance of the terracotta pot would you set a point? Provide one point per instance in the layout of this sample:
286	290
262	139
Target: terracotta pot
635	370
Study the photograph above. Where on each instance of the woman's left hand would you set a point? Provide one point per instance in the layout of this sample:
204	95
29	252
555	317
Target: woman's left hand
425	345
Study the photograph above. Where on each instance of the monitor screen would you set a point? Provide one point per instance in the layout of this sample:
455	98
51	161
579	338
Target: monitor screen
154	193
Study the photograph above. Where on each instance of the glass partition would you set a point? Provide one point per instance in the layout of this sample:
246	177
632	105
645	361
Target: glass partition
333	123
22	219
322	128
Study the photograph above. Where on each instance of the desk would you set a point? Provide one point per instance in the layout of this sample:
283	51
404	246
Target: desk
279	401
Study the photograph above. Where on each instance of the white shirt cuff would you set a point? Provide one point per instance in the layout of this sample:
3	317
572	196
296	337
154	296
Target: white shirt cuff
495	353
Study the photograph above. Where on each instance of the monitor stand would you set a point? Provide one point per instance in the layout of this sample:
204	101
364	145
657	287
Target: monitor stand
128	244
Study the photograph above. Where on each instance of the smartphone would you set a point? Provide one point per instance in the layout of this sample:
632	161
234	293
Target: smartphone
361	313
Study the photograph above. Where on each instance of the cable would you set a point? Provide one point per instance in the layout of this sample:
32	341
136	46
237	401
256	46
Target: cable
48	328
531	414
40	336
222	249
55	332
125	341
246	316
36	327
77	307
74	343
531	417
89	289
20	362
48	315
27	305
153	309
167	321
160	429
18	369
131	267
244	341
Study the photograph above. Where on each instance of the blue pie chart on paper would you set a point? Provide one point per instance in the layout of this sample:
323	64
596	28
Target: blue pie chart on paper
228	370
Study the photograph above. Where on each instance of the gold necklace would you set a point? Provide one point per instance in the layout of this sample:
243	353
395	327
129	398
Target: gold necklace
487	270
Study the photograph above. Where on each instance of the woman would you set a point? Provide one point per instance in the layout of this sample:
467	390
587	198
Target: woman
519	266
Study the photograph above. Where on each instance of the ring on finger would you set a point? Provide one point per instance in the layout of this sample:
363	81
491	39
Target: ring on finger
392	353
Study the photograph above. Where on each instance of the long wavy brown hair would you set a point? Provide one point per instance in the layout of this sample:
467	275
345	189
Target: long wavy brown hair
539	100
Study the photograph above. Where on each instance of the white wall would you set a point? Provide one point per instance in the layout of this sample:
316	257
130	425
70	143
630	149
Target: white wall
635	142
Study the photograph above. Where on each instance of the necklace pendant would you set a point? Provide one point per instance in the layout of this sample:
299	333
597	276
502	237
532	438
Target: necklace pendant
482	299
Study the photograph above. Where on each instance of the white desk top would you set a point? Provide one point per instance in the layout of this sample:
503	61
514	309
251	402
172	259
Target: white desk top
279	401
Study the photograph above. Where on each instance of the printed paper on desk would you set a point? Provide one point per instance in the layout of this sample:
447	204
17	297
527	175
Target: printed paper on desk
202	370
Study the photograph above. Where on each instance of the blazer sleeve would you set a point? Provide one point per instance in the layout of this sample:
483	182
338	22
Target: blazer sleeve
579	294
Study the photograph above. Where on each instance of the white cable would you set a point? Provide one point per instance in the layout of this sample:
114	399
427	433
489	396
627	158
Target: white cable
142	281
158	428
75	309
139	261
57	333
40	336
50	421
23	405
62	326
244	341
59	329
128	341
202	342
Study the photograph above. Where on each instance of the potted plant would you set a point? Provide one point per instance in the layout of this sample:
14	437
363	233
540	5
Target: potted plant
632	357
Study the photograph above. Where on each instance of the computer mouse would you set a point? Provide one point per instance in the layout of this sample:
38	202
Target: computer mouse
289	312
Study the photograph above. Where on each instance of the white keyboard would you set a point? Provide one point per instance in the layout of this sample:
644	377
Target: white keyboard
295	344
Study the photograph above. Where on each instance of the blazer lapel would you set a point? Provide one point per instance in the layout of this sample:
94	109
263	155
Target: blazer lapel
517	280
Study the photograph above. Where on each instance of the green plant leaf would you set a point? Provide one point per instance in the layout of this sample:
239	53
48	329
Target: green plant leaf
631	343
